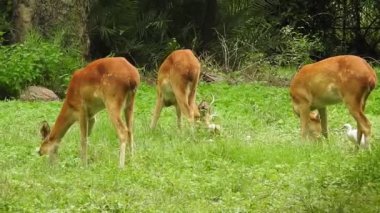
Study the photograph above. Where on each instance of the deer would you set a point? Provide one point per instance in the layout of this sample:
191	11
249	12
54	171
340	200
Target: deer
345	78
109	83
205	110
177	81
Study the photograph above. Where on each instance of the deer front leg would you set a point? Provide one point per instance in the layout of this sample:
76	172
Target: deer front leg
179	114
91	122
157	112
305	120
128	112
323	116
84	130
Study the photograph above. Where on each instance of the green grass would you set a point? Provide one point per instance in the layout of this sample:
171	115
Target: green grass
256	164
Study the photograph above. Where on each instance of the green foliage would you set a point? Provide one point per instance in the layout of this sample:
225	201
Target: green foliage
36	61
293	48
257	164
252	44
1	37
236	34
148	32
250	53
5	17
341	26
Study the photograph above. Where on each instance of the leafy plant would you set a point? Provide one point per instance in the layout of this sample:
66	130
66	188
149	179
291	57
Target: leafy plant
36	61
293	48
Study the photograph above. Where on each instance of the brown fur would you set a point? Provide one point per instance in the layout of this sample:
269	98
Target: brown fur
315	128
348	79
109	83
177	82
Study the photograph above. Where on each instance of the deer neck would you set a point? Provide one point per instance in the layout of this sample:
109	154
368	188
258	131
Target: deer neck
63	122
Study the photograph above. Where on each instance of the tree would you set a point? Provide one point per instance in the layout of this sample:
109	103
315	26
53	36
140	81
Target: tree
50	16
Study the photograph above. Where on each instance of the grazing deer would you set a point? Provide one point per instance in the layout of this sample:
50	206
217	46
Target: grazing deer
109	83
177	82
205	110
348	79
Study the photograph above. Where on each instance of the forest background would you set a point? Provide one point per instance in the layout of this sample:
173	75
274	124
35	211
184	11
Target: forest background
43	41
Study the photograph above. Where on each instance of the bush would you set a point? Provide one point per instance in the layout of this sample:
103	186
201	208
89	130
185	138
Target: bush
36	62
260	47
293	48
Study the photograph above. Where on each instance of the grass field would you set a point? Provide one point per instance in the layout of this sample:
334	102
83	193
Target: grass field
256	164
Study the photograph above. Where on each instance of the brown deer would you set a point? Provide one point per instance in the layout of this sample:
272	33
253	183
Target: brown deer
177	82
109	83
347	78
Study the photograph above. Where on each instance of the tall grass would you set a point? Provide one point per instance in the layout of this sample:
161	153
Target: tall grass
256	164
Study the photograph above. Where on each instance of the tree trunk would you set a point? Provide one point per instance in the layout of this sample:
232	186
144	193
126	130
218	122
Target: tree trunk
22	18
51	16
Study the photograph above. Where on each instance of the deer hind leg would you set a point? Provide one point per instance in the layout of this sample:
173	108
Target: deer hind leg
363	103
128	112
114	107
192	96
84	130
356	110
364	130
183	100
157	111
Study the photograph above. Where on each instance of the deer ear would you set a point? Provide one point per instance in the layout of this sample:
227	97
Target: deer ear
45	129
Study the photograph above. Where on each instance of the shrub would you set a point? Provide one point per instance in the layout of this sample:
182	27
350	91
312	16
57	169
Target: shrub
293	48
258	47
36	61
